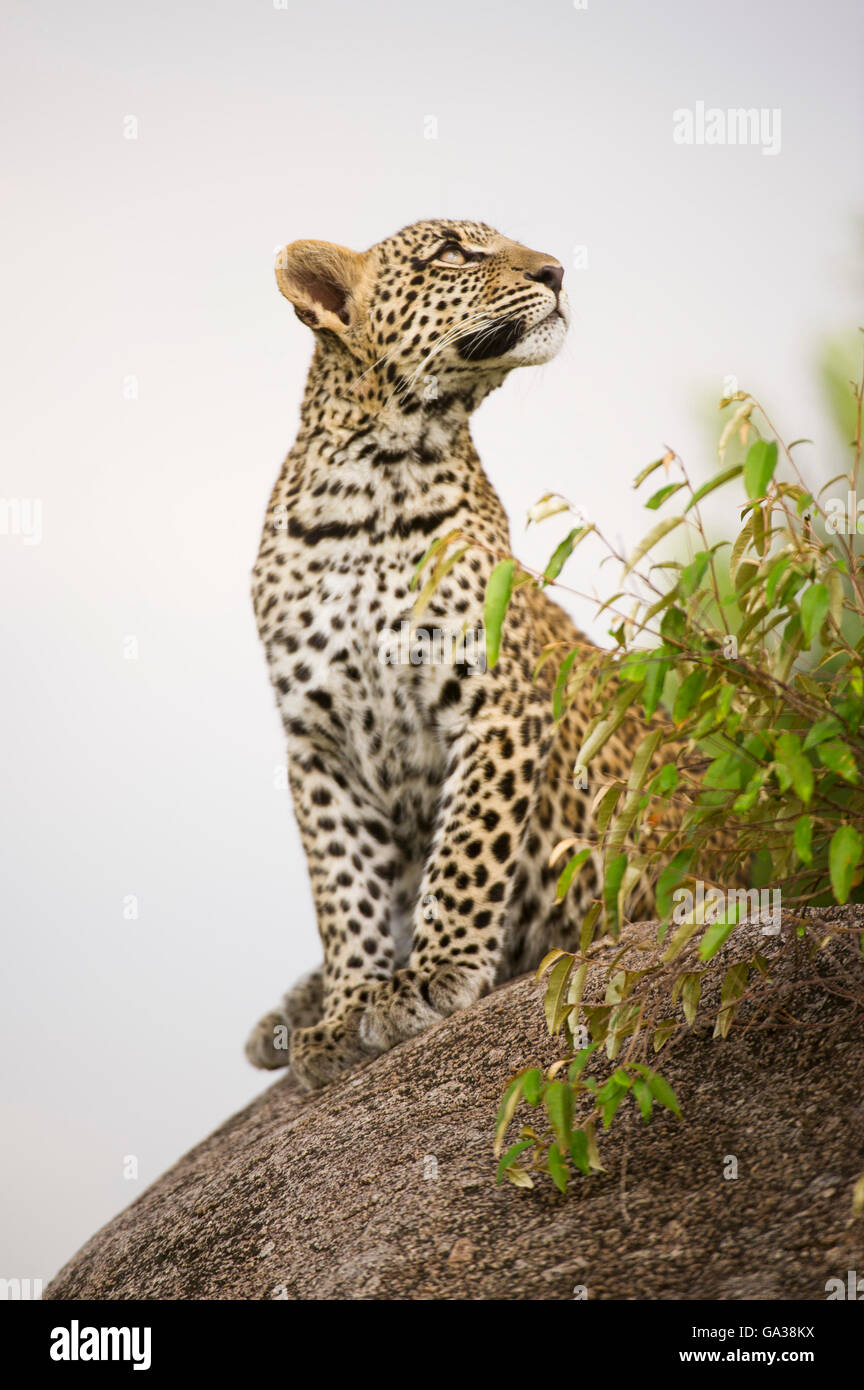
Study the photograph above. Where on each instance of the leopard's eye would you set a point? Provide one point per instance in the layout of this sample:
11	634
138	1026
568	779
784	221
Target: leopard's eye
452	255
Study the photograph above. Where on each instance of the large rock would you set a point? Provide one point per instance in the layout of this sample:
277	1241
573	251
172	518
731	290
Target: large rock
382	1185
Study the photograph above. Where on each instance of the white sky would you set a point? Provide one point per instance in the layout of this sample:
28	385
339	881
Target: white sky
152	258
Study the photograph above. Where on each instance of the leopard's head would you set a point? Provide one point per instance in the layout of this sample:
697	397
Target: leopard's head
434	308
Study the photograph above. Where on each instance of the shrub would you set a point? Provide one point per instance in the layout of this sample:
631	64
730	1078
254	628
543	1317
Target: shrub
752	647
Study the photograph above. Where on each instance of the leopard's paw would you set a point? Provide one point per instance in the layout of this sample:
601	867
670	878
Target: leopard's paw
413	1001
267	1046
322	1053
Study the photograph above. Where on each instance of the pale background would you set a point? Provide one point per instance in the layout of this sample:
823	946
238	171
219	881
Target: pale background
152	259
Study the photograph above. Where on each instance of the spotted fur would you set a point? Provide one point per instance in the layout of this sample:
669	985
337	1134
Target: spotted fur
428	796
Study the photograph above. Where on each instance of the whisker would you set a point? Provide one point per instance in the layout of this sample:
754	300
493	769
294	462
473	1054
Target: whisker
398	347
446	338
479	320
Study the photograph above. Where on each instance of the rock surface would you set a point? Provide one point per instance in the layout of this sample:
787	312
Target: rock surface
382	1185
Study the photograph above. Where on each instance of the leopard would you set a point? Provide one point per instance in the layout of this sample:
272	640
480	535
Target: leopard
429	794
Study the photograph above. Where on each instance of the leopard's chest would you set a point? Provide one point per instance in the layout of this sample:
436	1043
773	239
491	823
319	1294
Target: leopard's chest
335	611
350	669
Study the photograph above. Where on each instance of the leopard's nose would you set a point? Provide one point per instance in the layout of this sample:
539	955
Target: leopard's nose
551	275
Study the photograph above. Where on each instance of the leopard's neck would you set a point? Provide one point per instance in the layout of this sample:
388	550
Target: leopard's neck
391	417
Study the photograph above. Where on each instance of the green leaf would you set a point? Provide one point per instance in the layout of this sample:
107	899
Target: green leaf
717	481
692	575
837	757
662	1092
652	691
666	780
815	603
759	534
747	800
727	773
593	1151
653	538
660	496
586	935
835	588
675	946
714	938
510	1157
559	1106
561	683
822	729
550	504
673	625
442	567
557	1168
778	569
509	1101
613	1098
759	467
644	1098
532	1085
803	839
618	988
843	857
498	593
640	766
690	994
574	992
556	992
518	1176
611	888
608	802
663	1032
760	868
579	1151
688	693
563	552
580	1061
742	541
439	543
669	880
549	959
569	872
634	666
648	470
733	986
797	766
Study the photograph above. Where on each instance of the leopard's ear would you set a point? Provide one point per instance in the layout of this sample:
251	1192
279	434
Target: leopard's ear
322	282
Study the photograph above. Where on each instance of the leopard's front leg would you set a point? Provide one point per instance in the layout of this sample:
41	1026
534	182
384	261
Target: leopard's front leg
353	863
490	792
